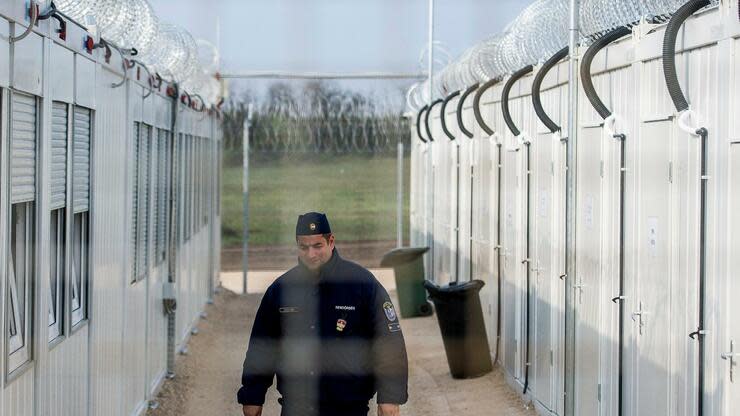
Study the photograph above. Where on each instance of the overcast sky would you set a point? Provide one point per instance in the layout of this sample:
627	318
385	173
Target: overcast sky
335	35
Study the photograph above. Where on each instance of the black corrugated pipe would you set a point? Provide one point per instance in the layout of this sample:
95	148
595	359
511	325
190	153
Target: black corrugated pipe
505	98
679	100
460	104
537	85
516	76
426	119
418	123
476	105
669	51
443	113
604	112
588	57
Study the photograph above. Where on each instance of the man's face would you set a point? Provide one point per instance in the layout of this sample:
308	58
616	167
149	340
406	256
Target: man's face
314	250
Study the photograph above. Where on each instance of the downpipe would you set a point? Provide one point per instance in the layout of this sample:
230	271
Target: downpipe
170	298
522	139
499	166
448	133
470	135
686	120
609	127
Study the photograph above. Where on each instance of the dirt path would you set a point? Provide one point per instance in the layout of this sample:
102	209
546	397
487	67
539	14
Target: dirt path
207	379
283	257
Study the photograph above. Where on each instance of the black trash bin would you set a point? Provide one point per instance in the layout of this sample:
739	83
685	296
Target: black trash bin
463	330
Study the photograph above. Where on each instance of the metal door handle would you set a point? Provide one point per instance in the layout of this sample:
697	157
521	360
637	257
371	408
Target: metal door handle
731	357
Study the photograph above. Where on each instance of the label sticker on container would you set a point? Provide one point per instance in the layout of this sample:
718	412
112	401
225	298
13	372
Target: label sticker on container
652	227
588	212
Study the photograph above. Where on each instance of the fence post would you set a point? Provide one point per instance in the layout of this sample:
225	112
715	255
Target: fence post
245	190
399	197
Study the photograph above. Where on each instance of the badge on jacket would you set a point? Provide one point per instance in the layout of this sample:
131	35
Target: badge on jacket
390	312
341	323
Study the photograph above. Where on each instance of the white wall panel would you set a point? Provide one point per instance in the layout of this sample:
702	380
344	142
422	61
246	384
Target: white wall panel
28	63
4	51
110	273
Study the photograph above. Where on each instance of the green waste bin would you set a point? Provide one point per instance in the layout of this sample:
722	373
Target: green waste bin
408	268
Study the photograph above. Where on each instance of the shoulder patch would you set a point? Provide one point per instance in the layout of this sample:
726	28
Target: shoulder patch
390	312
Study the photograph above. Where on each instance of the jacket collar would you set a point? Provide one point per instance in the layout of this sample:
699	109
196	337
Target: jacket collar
327	269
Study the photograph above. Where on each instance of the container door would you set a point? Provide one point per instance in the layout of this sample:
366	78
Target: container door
651	314
544	276
511	288
731	346
586	296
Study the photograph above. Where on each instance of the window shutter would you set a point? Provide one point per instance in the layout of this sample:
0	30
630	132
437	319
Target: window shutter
155	194
135	200
59	122
23	149
164	193
81	167
143	223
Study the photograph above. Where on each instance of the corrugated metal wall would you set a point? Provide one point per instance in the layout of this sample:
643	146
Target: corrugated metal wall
115	360
661	222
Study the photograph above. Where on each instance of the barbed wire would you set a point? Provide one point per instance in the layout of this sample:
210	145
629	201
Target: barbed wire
325	120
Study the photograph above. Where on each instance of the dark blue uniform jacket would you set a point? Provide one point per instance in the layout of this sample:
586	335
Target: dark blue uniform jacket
332	339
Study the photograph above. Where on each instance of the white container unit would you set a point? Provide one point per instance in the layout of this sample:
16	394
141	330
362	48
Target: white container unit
85	168
661	225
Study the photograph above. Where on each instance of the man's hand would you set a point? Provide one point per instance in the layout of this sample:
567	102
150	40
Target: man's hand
389	410
252	410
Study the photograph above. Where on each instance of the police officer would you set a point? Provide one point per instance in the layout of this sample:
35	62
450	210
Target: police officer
330	333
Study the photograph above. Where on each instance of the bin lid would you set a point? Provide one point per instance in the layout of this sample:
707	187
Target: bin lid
453	288
402	255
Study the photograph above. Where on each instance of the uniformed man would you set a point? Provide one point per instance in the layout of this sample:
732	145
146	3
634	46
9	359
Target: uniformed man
330	333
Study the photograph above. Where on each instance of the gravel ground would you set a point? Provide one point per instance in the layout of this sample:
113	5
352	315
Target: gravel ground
208	377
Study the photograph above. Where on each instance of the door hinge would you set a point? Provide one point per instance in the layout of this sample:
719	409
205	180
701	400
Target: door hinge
599	392
552	359
601	168
670	172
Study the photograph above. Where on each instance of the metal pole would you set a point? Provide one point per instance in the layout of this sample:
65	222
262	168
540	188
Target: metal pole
430	163
399	197
570	211
245	190
431	51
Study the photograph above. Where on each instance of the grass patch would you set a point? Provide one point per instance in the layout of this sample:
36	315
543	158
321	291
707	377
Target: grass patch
358	194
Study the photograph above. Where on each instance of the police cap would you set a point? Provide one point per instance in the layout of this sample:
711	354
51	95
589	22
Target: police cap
312	223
